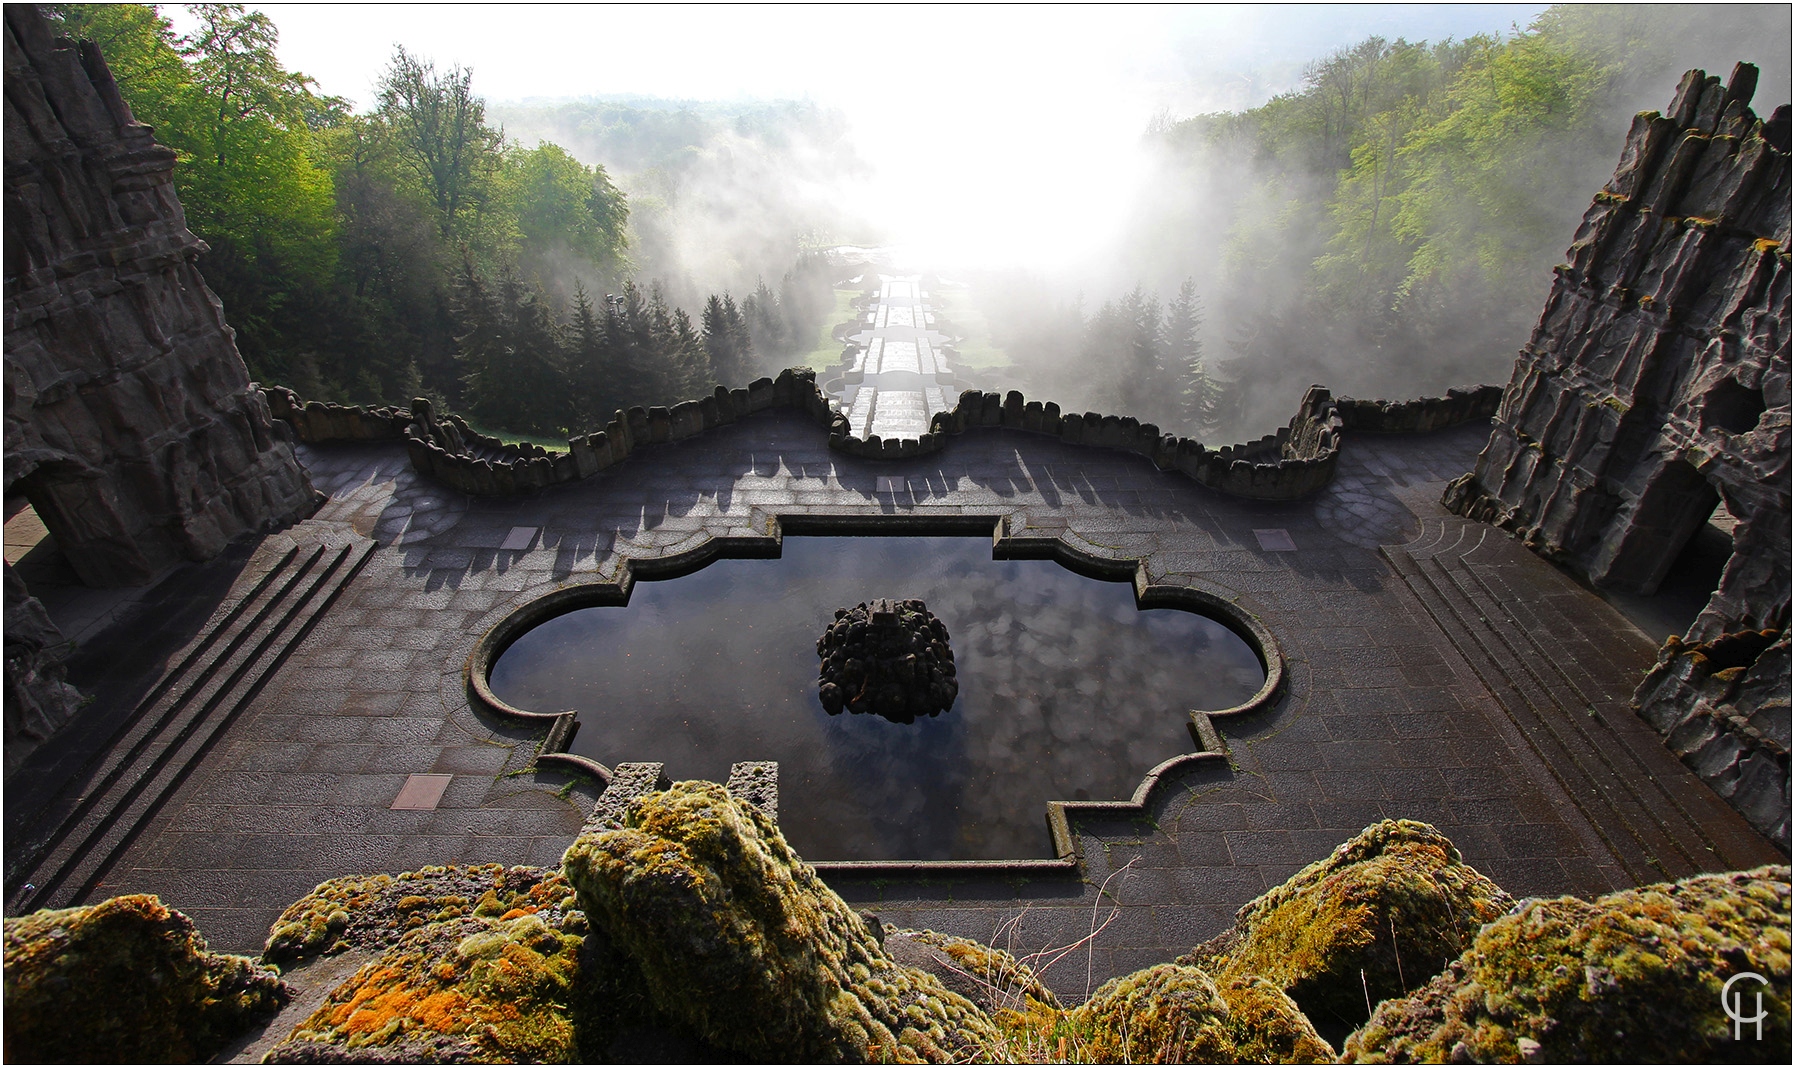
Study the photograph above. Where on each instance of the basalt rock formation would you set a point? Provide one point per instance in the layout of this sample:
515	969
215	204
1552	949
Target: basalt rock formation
131	423
889	657
38	700
1723	707
1656	385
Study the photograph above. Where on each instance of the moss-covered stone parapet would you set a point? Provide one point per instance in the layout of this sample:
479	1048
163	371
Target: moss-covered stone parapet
1633	976
739	940
1370	921
128	979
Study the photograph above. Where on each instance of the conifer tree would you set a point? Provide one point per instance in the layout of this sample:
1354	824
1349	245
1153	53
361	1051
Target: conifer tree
588	366
630	341
1199	393
726	340
766	322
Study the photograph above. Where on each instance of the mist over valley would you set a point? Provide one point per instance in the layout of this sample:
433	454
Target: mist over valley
1186	218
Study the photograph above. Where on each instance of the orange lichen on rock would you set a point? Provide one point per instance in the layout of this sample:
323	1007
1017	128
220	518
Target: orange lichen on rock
468	989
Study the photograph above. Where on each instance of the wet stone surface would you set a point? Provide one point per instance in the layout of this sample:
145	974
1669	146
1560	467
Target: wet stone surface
1064	690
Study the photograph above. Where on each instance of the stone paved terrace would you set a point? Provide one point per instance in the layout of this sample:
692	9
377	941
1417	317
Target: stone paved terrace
1396	706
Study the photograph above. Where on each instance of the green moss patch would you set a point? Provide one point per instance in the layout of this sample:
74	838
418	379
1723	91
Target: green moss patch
989	978
1387	910
373	912
1632	976
128	979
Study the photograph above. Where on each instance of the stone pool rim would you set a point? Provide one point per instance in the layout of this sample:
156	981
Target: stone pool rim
1007	544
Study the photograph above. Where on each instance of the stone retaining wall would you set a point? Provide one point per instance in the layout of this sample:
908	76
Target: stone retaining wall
1456	408
315	422
1297	460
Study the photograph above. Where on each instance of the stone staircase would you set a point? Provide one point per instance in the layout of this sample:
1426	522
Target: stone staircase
1563	665
67	846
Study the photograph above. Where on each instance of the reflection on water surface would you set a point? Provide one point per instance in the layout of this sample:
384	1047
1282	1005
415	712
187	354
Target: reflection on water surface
1066	691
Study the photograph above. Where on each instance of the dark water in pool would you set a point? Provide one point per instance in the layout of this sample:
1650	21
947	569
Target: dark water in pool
1067	691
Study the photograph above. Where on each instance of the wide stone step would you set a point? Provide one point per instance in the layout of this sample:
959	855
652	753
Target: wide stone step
1587	656
73	841
1676	847
1572	775
1563	671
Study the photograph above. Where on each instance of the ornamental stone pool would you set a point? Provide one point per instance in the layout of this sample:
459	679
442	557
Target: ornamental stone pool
1409	687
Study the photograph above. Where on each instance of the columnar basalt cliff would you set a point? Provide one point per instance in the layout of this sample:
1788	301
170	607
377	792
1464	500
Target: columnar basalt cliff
131	423
1655	386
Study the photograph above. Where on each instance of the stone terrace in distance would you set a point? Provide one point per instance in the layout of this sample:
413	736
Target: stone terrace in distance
1459	680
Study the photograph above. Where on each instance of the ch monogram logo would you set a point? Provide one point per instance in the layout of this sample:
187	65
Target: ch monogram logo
1734	1004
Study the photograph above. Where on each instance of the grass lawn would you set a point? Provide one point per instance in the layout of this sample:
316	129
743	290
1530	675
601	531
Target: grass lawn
551	444
827	351
961	309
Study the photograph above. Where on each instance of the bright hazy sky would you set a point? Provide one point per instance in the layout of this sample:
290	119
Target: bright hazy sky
968	115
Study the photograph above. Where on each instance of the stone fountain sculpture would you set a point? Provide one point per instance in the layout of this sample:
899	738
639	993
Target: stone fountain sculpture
890	657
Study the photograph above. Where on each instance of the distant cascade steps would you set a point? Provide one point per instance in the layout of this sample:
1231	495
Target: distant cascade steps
901	405
1563	666
290	583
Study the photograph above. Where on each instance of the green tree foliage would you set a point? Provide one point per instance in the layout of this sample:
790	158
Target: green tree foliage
1391	225
250	174
565	207
370	257
512	355
439	127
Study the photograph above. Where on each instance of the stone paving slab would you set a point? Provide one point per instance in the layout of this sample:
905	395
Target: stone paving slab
1382	716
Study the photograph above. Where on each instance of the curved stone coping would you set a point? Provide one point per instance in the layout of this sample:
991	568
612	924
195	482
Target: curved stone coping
1422	415
562	725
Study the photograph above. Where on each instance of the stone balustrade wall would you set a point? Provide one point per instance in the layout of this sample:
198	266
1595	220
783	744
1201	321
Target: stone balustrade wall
1297	460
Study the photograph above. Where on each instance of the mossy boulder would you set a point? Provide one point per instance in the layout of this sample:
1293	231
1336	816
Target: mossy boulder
1632	976
1177	1014
1374	920
372	912
1166	1014
465	989
128	979
1266	1027
737	938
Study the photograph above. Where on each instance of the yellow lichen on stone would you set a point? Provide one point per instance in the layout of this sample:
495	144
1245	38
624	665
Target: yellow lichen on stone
1633	976
128	979
1375	919
738	939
